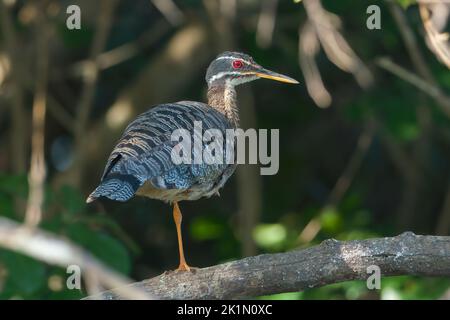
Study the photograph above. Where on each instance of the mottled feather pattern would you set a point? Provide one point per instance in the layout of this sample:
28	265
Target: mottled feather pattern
117	187
143	154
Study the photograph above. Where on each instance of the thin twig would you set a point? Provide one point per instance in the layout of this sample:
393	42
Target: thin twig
266	23
438	41
123	52
228	9
170	11
37	173
308	48
410	42
334	44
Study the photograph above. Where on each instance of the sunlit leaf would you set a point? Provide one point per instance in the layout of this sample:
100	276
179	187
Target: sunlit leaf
330	220
270	236
206	228
283	296
406	3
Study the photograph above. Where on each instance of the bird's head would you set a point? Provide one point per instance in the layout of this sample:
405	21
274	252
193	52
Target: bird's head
235	68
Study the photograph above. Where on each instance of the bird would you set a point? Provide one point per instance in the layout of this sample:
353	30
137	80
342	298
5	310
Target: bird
141	163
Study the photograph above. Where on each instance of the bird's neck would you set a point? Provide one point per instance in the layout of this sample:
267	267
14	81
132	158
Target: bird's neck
222	97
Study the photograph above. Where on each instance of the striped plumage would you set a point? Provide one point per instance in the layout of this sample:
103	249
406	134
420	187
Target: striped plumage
141	162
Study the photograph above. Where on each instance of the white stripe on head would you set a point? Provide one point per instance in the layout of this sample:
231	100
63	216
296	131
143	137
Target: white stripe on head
236	81
226	57
238	58
223	74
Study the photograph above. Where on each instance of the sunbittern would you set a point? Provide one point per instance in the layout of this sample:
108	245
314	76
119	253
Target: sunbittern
141	162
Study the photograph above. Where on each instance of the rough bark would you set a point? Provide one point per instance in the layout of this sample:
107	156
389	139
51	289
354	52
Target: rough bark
330	262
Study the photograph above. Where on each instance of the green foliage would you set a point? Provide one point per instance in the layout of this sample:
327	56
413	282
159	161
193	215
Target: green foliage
70	200
75	40
410	287
348	221
330	220
406	3
392	288
101	245
13	185
25	278
207	228
271	237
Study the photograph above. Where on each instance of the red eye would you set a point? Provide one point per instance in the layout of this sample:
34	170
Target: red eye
237	64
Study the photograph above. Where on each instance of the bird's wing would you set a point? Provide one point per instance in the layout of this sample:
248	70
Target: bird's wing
144	151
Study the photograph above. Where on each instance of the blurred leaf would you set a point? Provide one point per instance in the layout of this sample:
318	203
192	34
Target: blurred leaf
330	220
283	296
24	276
104	247
351	201
412	287
6	206
356	290
60	291
206	228
14	184
107	223
396	109
390	294
71	200
409	131
78	39
66	295
357	235
270	236
406	3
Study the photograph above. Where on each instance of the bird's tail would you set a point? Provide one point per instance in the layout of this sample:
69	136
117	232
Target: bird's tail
116	187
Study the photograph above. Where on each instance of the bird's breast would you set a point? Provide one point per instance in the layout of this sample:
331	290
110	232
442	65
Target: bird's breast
207	188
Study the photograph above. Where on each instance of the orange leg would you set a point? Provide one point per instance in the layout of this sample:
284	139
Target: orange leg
177	217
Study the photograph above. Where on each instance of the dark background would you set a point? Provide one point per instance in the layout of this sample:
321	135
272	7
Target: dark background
374	163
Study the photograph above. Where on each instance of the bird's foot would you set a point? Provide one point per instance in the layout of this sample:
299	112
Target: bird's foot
184	267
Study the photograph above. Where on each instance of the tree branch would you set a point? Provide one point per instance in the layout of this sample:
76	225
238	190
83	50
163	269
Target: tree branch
58	251
330	262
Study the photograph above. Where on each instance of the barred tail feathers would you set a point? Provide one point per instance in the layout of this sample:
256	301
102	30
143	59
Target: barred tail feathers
117	187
